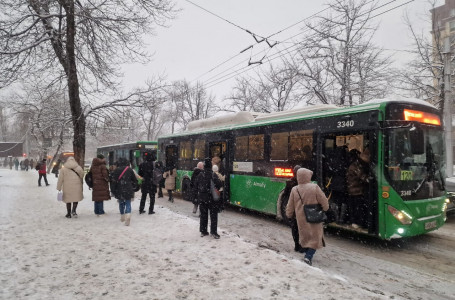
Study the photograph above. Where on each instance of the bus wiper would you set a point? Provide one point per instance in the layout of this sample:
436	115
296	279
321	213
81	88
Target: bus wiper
419	186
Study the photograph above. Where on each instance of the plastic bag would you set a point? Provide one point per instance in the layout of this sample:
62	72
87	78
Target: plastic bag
60	196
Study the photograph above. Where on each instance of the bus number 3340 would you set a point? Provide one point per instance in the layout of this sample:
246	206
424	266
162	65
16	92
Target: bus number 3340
343	124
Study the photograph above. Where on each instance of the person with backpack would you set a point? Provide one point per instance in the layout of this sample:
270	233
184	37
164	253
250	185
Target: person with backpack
70	181
123	181
41	168
206	183
146	171
99	184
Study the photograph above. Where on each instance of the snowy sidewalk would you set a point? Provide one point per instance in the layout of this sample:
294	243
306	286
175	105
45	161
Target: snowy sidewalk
46	256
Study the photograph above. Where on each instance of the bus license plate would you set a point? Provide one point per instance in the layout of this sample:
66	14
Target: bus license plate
430	225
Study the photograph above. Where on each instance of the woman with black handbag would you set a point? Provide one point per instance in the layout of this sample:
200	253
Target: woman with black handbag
311	235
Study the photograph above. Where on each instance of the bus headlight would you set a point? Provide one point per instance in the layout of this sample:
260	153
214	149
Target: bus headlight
401	216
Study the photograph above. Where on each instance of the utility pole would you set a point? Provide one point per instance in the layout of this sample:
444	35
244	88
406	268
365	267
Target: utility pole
447	113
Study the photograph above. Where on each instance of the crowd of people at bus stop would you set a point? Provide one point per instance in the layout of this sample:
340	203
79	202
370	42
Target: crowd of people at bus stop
19	164
348	184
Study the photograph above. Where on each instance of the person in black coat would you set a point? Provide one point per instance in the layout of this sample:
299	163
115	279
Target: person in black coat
206	202
123	181
293	222
194	198
338	166
148	186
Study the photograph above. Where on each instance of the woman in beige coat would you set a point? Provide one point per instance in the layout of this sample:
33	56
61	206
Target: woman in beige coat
169	183
311	235
70	179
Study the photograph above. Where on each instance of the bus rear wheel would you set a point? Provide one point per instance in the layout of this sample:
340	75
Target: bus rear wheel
186	189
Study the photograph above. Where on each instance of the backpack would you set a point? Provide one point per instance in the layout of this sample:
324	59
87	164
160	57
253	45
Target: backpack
89	179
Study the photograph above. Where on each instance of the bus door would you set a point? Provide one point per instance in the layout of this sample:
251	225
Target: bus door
339	151
220	149
171	156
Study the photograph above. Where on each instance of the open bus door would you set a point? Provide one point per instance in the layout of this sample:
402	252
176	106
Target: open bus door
338	152
220	149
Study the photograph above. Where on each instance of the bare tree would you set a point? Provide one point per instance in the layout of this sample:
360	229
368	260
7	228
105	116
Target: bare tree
43	112
337	59
276	89
423	76
243	96
189	103
83	41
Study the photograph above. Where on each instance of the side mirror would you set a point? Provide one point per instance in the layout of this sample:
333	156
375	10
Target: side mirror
417	140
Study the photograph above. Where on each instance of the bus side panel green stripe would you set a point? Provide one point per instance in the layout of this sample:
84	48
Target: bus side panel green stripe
256	193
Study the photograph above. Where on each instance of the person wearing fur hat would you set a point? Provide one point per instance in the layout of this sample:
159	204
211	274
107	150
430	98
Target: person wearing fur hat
311	235
207	203
70	181
357	183
100	189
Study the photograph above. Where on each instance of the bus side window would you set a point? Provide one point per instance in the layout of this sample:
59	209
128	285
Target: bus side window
241	148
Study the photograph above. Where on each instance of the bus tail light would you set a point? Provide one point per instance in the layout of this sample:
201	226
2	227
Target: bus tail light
401	216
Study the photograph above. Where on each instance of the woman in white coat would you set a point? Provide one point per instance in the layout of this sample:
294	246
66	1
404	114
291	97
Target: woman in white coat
70	180
169	184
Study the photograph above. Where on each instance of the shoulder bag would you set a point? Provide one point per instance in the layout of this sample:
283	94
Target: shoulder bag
313	212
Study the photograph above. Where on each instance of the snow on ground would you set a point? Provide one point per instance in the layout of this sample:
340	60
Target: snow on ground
43	255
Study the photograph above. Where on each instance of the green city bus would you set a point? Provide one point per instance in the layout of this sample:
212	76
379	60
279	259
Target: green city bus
134	152
406	195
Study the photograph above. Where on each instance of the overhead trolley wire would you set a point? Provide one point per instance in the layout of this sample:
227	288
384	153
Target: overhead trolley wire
214	81
280	31
262	51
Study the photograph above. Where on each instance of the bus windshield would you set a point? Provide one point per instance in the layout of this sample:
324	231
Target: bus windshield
415	162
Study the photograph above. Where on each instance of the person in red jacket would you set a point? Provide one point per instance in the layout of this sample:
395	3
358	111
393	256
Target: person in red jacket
42	172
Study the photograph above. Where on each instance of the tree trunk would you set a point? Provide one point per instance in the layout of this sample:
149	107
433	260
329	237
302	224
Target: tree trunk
78	117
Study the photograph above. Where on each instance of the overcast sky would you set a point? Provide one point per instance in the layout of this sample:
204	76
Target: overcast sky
197	42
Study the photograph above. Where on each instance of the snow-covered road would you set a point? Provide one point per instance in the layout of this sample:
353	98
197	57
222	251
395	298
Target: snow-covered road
43	255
